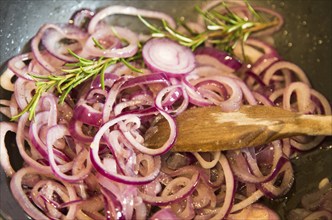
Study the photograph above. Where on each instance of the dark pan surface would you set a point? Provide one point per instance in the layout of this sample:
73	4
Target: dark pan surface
304	40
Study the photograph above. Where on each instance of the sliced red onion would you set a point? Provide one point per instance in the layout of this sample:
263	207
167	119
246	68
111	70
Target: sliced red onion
256	79
273	29
54	133
165	147
217	58
285	65
165	213
96	161
321	101
263	99
203	197
319	215
194	96
160	103
87	114
16	64
205	71
35	66
210	5
76	131
109	80
213	90
320	198
109	38
9	107
326	109
23	92
110	99
255	211
250	53
303	105
144	100
233	102
37	127
247	170
21	137
164	55
272	191
230	192
126	109
247	93
303	97
261	45
20	195
123	155
248	201
165	199
113	206
185	209
6	80
213	94
35	47
42	194
81	18
24	201
146	79
264	62
5	162
58	39
111	10
207	164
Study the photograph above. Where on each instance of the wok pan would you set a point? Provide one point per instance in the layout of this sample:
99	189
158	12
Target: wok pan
305	40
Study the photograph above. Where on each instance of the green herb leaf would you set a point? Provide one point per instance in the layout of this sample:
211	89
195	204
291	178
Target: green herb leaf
130	66
97	44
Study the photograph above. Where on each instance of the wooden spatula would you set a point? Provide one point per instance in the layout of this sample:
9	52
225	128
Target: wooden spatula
209	129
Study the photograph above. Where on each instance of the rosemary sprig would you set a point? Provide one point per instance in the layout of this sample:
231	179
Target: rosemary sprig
73	75
223	30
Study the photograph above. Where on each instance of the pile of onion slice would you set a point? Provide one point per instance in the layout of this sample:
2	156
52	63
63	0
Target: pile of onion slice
86	158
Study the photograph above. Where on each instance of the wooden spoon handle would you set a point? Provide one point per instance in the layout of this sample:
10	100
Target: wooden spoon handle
313	125
209	129
285	123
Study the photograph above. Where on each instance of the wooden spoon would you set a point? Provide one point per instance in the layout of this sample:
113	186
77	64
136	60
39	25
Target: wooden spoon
208	129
